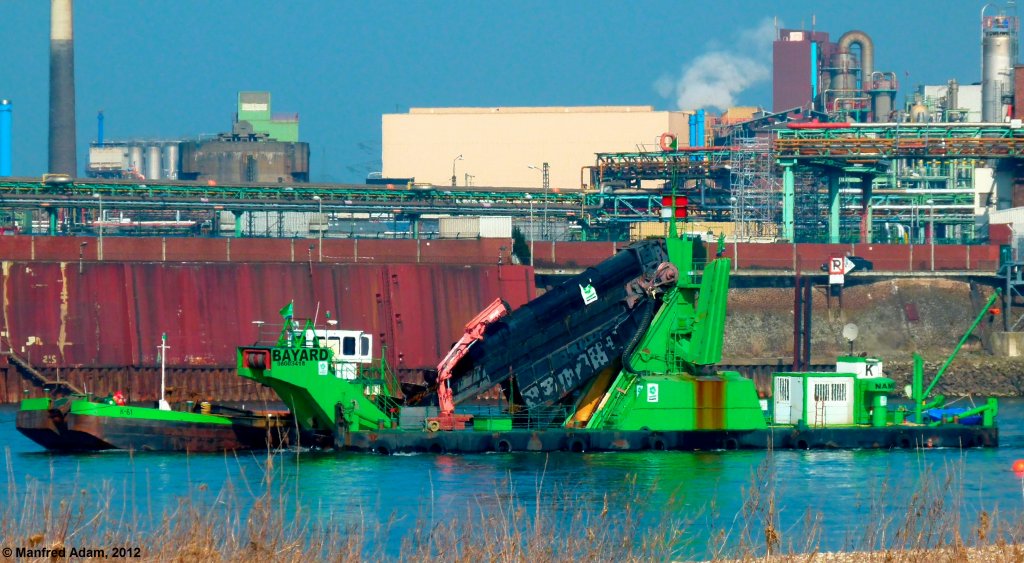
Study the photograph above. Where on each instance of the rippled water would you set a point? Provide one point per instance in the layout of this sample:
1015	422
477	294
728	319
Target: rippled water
703	488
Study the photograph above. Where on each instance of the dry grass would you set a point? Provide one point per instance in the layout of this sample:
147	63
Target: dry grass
263	520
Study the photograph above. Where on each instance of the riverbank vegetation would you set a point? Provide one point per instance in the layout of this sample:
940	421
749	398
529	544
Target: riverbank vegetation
265	517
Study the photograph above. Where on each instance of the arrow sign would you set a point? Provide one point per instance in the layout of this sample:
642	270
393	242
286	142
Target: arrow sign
847	265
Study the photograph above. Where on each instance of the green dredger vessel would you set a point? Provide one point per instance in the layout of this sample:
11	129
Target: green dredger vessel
620	357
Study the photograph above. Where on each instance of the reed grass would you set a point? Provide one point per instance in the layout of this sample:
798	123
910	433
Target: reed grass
260	516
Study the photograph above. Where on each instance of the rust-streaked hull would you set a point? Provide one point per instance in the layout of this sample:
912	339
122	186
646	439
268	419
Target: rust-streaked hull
73	432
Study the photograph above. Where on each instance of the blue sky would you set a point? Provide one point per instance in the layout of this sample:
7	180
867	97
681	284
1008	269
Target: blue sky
171	69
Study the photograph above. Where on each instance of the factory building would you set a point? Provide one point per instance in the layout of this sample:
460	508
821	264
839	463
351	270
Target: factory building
508	146
947	103
839	79
254	108
261	147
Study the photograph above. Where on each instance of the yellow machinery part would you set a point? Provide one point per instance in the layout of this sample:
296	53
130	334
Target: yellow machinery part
585	408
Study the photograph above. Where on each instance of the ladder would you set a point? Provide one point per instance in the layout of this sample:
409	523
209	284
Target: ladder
33	375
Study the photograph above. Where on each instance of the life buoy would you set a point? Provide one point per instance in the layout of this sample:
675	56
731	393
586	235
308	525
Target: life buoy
433	425
666	142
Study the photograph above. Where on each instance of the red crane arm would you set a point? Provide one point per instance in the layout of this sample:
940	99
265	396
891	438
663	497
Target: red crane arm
474	331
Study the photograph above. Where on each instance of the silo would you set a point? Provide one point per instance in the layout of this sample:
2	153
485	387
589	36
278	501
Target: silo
998	54
153	162
135	158
170	168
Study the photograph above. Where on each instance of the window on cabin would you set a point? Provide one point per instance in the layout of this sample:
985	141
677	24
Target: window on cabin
348	346
839	392
364	349
783	388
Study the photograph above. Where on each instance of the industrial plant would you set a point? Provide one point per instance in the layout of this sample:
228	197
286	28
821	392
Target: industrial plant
836	159
261	147
836	164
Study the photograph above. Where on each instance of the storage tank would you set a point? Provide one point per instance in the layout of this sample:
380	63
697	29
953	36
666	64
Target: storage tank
170	168
843	84
152	162
135	158
998	55
883	94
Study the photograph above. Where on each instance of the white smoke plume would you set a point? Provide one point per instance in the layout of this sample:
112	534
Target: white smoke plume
715	78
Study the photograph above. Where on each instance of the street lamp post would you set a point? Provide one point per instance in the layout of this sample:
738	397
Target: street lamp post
99	250
735	255
545	183
533	235
454	160
931	229
320	226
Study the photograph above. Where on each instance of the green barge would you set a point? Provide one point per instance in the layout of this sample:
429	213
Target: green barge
619	358
79	422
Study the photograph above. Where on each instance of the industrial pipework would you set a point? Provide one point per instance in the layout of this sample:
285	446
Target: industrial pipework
867	50
63	159
841	92
5	138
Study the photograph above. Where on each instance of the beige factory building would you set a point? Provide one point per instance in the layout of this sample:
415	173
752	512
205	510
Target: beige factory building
499	144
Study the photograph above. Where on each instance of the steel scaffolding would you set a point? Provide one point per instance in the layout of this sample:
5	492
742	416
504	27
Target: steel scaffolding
754	185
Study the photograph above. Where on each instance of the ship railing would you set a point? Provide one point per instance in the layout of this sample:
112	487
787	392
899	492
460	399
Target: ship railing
536	418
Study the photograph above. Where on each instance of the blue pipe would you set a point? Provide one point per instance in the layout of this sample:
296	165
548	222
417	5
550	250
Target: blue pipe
814	70
700	128
5	138
693	130
99	128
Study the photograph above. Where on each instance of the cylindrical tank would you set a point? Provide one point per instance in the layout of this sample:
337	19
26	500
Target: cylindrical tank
135	158
5	138
843	82
153	162
883	105
882	88
997	58
171	161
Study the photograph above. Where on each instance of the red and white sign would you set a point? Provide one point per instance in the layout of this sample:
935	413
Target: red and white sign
838	267
680	204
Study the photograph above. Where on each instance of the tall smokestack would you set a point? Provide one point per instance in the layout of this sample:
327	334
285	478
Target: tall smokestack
5	138
63	158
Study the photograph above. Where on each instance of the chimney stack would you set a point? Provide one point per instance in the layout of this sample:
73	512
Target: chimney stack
63	158
5	138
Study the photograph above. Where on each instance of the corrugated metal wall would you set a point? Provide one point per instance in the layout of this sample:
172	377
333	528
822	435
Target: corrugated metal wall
100	321
109	316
